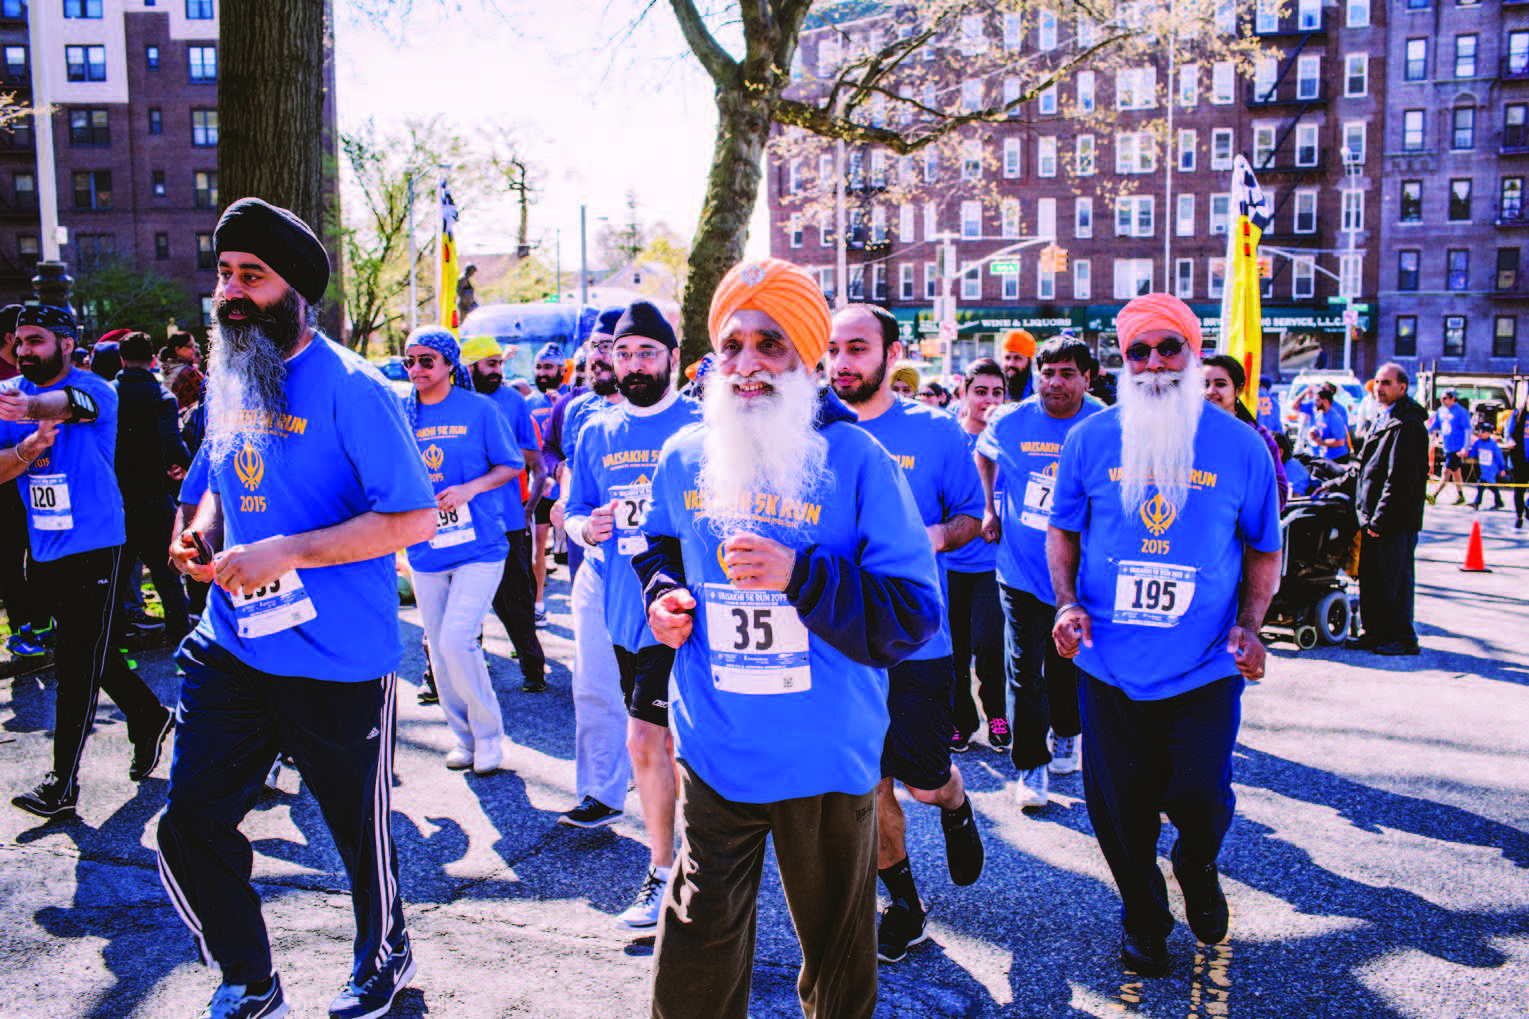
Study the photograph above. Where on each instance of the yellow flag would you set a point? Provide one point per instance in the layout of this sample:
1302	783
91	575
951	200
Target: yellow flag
446	285
1241	307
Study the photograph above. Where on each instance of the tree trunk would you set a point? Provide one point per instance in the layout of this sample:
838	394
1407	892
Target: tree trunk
743	128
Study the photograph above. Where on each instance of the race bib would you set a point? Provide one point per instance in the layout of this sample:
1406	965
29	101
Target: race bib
1485	457
49	499
1153	594
280	605
758	642
1037	511
631	506
453	527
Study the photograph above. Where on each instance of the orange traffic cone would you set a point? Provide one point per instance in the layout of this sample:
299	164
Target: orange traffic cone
1475	562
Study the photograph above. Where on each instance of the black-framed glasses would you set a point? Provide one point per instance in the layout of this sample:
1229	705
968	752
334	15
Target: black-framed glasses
1168	346
425	361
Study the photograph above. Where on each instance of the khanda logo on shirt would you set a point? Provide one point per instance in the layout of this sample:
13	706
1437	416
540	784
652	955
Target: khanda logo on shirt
1158	514
250	466
433	457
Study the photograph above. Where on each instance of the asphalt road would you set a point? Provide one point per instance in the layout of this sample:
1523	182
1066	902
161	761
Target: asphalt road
1378	867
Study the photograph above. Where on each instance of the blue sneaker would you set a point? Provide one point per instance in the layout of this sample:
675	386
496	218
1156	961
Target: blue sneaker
24	645
375	996
233	1001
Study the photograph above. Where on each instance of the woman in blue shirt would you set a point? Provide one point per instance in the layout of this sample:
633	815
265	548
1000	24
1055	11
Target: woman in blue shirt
466	447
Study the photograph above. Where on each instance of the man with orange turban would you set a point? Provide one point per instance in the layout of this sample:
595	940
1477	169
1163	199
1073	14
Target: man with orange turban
788	565
1164	548
1017	353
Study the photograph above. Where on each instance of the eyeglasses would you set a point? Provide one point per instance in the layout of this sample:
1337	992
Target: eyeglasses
425	361
925	394
646	355
603	348
1168	346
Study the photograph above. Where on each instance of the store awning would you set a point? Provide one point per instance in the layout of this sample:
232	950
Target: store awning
1045	319
1276	319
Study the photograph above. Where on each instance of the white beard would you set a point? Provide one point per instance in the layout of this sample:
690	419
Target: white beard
768	446
1159	416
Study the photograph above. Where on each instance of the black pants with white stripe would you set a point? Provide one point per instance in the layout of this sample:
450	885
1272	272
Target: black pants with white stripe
231	723
83	591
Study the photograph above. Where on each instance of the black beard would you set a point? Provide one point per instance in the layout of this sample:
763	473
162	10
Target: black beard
282	323
40	373
547	383
486	384
865	390
603	384
642	389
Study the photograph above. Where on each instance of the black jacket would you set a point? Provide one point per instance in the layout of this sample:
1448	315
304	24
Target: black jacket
1518	456
1393	470
148	436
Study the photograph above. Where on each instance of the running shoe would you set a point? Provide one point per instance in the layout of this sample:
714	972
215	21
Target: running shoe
375	996
644	911
148	748
591	813
998	736
1066	754
963	844
234	1001
427	692
47	798
902	927
960	742
541	619
533	684
25	645
1032	790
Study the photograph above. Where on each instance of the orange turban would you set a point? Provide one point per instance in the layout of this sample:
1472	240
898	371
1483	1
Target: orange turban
1157	311
1019	341
784	292
690	371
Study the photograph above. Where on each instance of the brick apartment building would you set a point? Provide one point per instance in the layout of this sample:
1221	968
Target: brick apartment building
1106	193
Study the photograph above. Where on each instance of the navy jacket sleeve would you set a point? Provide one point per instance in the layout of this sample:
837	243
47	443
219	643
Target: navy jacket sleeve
660	569
870	619
174	447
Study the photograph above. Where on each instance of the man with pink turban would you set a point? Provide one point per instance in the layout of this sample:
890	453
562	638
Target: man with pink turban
1164	548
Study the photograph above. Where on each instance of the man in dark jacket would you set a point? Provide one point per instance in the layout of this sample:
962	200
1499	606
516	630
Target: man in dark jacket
1518	459
1392	476
150	456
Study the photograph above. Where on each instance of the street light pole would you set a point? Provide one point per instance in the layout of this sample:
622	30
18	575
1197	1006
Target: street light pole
583	262
413	263
1350	286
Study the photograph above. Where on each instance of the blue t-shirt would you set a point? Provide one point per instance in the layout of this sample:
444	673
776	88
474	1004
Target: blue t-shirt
342	449
1331	424
579	413
541	417
933	452
827	737
523	433
1161	585
70	493
1488	456
617	455
461	439
1268	412
539	400
194	484
976	556
1025	442
1298	476
1453	424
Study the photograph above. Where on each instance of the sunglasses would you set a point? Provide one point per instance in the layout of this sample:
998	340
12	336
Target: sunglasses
425	361
1169	346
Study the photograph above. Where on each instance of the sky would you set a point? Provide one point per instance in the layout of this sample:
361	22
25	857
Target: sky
602	112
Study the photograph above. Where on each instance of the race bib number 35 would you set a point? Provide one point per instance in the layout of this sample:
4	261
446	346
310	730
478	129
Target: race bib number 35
280	605
48	495
631	506
1153	594
453	527
758	642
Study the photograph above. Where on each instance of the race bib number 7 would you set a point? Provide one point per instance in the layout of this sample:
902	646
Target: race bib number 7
758	642
1153	594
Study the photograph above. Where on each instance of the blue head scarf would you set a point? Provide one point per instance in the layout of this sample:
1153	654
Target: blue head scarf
440	340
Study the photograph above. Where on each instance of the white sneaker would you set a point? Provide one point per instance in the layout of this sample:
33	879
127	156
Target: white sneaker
1066	754
273	777
487	758
459	759
1031	790
644	911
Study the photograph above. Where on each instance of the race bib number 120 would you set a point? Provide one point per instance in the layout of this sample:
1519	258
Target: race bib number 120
1153	594
758	642
49	496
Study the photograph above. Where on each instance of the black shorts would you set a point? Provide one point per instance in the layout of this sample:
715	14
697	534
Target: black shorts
1454	461
544	510
917	747
645	682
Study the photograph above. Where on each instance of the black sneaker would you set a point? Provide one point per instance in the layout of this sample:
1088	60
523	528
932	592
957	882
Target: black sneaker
1204	901
1399	647
998	735
236	1002
146	751
960	742
589	814
963	844
1145	955
374	997
533	684
901	927
427	691
47	799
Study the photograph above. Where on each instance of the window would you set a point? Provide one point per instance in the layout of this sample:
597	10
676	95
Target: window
1303	278
1510	204
1504	336
1221	149
1265	72
1133	277
1358	13
1460	200
1463	128
1010	95
198	10
879	282
1184	278
1134	216
203	61
1085	155
878	168
89	127
1407	261
1309	15
878	225
85	63
1048	31
1047	101
1454	335
1518	54
1136	88
1009	217
931	166
29	248
794	230
1220	213
931	282
1184	219
24	187
1189	84
92	189
1222	81
157	183
971	160
971	95
204	185
905	281
1465	56
82	8
1013	31
94	251
151	58
13	9
973	34
1135	152
204	132
971	284
1353	210
1353	140
1082	280
1306	211
1308	77
1009	286
971	220
1263	146
1045	157
856	286
905	223
1412	201
1514	136
1045	284
1215	275
1406	333
931	220
161	246
156	120
1266	16
1083	217
1356	74
1416	66
1085	82
15	62
1010	158
1412	131
1457	269
20	132
1087	32
1186	151
1045	217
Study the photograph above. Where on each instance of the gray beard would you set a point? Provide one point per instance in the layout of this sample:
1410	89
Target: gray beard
1159	418
246	389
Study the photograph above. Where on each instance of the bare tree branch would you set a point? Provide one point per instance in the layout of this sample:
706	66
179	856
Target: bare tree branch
716	60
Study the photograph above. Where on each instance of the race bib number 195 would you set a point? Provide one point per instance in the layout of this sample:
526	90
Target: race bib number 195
1153	594
758	642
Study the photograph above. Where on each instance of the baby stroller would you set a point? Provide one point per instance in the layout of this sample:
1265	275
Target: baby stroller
1317	599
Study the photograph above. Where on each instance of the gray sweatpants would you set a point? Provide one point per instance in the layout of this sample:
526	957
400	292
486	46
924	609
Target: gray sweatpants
602	766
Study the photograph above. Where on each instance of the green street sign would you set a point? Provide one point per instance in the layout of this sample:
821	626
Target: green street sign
1004	268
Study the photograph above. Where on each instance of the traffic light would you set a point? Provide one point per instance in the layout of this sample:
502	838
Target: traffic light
1047	263
1058	259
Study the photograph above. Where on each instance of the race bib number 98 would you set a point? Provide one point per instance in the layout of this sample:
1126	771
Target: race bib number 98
1153	594
453	527
758	642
